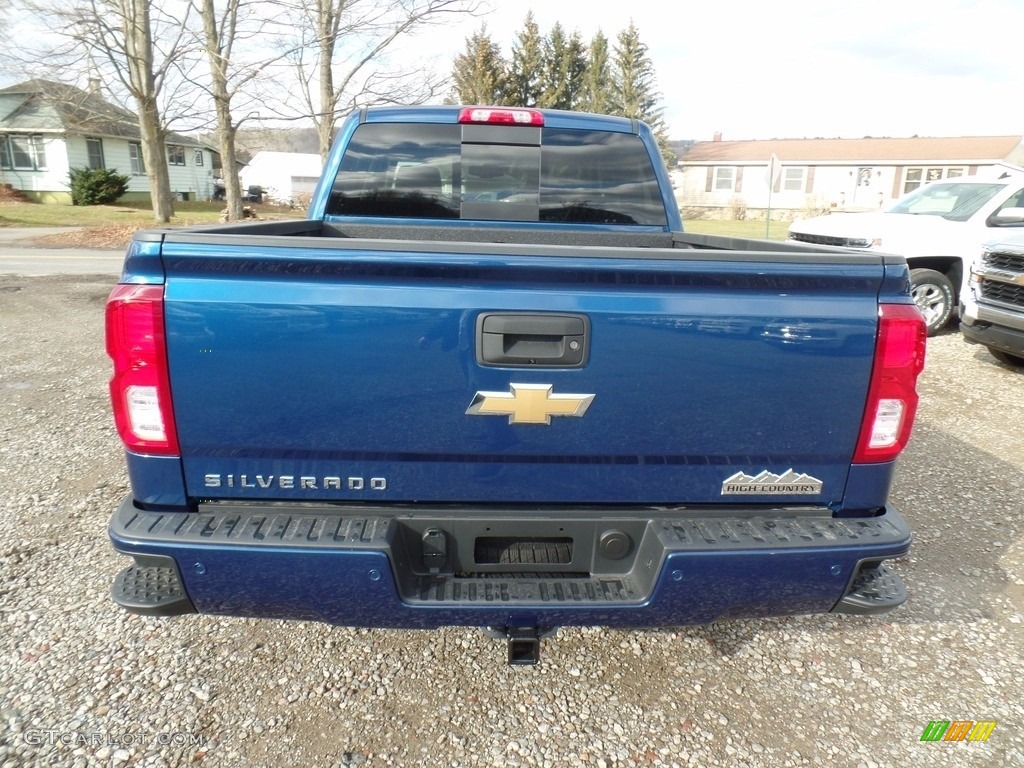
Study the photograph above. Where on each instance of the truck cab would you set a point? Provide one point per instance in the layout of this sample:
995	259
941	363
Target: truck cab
938	228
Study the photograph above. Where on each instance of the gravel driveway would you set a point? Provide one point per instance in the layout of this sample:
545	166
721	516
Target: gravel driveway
83	683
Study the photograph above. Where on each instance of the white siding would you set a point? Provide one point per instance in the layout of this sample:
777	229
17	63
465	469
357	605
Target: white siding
54	178
838	186
282	175
194	180
63	154
115	158
851	186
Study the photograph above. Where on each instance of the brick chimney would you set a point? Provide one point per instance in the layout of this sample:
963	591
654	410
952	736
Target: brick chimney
717	136
94	85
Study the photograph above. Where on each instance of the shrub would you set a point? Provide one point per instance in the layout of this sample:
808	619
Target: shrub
738	208
815	205
96	186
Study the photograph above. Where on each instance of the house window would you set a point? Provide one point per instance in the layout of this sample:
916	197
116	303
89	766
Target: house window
725	179
914	177
793	179
199	158
94	148
5	153
27	153
175	155
135	156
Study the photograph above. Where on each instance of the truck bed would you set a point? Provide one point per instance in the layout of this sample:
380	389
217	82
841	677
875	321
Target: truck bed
265	234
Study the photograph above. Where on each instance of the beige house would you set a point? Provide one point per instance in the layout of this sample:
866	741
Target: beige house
48	128
730	179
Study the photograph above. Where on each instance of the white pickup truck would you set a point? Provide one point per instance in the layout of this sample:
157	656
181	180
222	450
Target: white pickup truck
939	228
992	305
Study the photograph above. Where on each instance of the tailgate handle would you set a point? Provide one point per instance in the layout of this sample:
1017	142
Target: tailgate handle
527	340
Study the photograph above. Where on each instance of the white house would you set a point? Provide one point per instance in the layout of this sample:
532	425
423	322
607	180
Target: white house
812	175
48	128
283	176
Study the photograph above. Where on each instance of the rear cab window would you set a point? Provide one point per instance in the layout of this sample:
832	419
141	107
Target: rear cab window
497	173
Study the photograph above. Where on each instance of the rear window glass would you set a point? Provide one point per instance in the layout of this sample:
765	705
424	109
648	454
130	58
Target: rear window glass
436	172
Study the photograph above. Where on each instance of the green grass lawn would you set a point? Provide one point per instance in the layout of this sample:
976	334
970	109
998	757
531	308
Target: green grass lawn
756	229
140	214
40	215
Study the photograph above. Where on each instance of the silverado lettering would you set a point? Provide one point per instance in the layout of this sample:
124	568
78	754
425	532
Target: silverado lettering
564	409
291	481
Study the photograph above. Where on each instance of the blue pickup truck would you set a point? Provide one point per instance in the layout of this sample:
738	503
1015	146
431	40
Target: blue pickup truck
491	382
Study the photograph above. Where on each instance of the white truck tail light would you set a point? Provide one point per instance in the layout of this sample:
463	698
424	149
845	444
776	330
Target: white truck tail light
892	392
140	390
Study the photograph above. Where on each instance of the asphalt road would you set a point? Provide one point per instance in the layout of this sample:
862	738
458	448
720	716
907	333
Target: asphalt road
20	256
82	683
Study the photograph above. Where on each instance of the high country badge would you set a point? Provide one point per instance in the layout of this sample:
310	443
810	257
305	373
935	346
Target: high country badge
789	483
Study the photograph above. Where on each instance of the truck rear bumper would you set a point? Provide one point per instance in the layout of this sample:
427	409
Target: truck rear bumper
389	567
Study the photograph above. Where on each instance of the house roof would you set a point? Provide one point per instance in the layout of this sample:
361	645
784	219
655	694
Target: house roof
967	149
45	106
9	102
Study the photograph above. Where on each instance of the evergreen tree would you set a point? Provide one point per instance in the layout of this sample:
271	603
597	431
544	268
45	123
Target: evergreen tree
561	72
480	73
634	91
564	67
526	71
595	95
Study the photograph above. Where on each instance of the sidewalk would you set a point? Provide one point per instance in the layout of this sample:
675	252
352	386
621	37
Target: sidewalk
14	234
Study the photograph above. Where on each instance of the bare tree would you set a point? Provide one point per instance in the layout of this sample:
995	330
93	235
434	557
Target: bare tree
136	44
234	78
338	57
131	53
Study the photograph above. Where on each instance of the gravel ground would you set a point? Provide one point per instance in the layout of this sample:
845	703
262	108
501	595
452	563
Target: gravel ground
82	683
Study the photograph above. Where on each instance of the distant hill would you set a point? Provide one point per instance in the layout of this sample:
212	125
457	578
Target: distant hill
681	146
249	141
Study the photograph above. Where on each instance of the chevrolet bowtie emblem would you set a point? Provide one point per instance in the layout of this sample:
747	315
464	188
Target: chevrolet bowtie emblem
528	404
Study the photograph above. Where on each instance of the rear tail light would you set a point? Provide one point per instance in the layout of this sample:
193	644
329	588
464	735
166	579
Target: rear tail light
892	393
140	390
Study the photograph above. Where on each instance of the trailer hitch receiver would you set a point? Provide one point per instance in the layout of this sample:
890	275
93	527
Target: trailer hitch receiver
523	643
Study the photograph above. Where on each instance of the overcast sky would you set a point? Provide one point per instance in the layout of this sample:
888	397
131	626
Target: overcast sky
805	68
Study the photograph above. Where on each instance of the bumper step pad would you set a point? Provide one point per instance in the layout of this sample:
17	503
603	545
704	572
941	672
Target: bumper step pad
875	589
152	588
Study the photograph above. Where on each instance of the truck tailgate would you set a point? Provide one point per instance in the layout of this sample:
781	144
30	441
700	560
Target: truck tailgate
326	374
